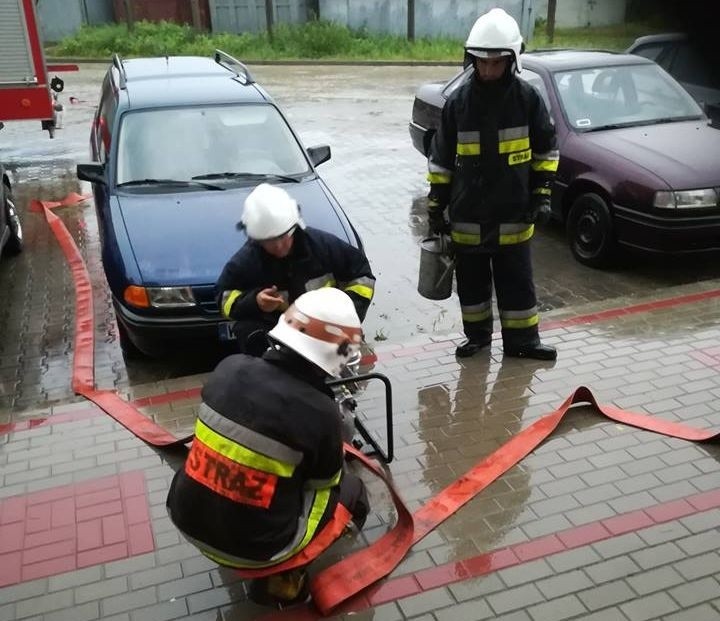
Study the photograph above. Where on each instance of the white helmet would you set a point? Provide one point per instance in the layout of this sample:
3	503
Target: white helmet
323	327
270	212
495	34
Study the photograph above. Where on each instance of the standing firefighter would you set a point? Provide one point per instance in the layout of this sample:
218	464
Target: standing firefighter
265	471
491	166
281	260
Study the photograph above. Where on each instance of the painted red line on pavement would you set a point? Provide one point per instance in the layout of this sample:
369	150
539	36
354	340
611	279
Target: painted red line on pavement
517	554
34	423
72	526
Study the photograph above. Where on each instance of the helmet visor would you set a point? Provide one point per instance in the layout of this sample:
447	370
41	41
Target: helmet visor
488	53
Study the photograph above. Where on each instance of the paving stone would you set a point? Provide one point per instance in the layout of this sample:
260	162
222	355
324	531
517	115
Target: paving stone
606	595
650	607
557	609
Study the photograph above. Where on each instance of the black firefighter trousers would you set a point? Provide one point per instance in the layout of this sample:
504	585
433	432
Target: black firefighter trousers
510	269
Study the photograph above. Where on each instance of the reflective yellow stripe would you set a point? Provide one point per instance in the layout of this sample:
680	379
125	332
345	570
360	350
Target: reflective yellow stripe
519	158
520	323
470	239
319	506
546	191
227	307
241	454
469	148
545	165
473	317
508	146
322	483
516	238
439	177
361	290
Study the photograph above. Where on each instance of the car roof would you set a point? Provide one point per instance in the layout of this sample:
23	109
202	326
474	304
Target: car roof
566	60
664	37
178	80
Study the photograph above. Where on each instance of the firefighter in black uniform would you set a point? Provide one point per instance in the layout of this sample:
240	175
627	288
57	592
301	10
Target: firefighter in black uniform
281	260
491	166
265	471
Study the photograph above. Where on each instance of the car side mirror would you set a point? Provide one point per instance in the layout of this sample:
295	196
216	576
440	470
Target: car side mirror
319	154
94	173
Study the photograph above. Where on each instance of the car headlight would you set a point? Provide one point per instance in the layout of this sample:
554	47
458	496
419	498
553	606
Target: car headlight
159	297
705	197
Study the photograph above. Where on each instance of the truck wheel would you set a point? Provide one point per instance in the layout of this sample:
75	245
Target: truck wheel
14	244
590	231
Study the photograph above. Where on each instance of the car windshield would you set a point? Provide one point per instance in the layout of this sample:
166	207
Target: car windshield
603	97
227	142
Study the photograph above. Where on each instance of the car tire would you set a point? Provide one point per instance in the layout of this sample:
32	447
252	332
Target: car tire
14	243
129	350
590	231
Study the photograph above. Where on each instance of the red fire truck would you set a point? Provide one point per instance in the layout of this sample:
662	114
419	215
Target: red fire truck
26	92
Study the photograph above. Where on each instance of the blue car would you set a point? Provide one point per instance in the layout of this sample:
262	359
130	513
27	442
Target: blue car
177	144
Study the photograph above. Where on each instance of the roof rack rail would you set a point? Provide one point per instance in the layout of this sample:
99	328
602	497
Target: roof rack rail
118	64
225	60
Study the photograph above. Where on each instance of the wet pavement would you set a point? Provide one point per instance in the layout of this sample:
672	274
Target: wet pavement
602	521
362	113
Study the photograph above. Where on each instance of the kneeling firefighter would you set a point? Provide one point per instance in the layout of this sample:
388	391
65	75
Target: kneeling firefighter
265	473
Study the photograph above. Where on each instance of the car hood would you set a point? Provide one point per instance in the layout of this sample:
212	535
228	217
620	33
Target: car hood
186	238
684	154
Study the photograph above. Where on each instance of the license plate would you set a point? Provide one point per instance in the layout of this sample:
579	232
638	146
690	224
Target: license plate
225	332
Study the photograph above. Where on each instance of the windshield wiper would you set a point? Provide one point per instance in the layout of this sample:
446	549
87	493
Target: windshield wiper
645	122
246	175
185	183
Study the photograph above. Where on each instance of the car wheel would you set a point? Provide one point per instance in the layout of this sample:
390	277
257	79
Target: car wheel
14	244
590	231
129	349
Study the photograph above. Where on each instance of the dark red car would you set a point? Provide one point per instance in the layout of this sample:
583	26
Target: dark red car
639	163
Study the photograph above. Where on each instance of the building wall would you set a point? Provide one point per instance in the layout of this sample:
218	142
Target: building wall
249	15
433	18
63	18
583	13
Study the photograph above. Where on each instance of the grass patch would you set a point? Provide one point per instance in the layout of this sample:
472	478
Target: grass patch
315	40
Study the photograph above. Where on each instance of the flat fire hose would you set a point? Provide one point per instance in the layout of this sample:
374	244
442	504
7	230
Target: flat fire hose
346	579
83	380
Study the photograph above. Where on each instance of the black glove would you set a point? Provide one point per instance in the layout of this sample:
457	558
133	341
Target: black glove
540	210
438	224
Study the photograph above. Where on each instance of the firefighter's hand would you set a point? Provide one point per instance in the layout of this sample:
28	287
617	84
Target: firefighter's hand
437	222
540	211
269	300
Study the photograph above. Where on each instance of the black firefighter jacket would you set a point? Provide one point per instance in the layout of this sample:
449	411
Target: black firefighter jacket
261	476
494	154
317	259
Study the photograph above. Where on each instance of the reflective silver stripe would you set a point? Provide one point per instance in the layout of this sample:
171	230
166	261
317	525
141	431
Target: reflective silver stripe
477	308
436	168
287	551
548	155
247	437
468	137
511	133
466	227
507	229
326	280
519	314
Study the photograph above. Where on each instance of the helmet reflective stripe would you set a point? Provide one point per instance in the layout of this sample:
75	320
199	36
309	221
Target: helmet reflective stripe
270	212
495	34
323	327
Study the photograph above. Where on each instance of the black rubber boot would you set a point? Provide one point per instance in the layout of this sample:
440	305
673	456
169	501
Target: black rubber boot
284	589
471	347
536	351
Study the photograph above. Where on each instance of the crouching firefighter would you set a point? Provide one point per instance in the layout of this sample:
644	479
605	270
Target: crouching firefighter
281	260
264	480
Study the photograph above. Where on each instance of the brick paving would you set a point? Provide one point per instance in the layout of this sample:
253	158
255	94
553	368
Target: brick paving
602	521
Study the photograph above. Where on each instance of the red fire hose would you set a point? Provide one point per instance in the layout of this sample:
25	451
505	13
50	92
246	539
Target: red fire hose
347	578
